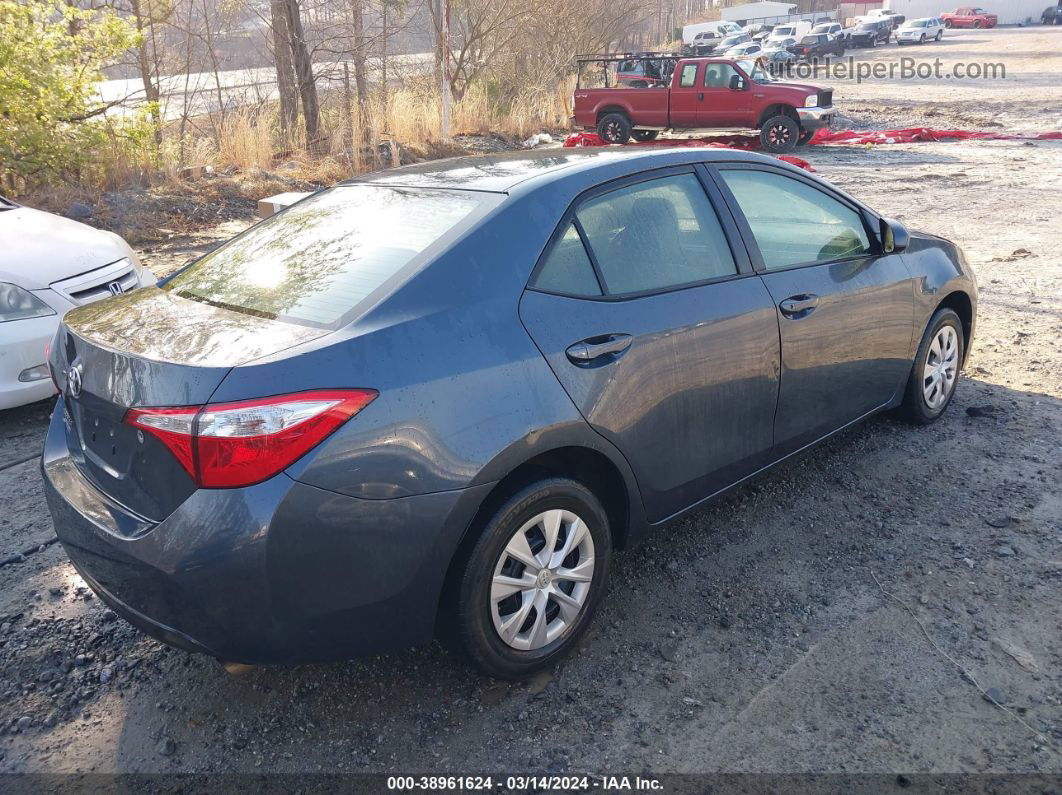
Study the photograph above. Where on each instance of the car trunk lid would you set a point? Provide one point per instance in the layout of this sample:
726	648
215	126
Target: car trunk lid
150	348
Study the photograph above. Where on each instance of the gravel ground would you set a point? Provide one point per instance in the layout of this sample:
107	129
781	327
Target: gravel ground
780	630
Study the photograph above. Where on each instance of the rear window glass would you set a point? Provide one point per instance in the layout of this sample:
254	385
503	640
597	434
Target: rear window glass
315	262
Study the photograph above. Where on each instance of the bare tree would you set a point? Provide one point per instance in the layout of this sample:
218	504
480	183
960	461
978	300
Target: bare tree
300	53
289	98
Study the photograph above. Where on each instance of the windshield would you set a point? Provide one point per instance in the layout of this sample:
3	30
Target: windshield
914	23
314	263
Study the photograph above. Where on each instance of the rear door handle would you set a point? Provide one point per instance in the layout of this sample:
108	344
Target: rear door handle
799	306
594	348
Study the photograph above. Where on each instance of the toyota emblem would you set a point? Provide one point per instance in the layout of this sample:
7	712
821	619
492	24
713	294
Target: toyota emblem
73	380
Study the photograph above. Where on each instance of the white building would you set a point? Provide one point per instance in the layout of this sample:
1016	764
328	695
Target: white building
1010	12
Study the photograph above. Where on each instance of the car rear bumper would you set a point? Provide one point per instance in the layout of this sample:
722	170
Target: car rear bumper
815	118
279	572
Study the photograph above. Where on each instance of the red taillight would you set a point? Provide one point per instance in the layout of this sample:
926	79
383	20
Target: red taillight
228	445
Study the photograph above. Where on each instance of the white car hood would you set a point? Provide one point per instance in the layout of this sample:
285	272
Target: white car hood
39	248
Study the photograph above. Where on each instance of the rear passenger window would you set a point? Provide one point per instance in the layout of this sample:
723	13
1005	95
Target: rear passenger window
567	269
689	75
656	235
795	223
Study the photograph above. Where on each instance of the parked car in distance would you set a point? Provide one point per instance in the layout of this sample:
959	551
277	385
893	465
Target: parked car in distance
732	41
820	45
792	30
709	93
748	50
704	43
759	32
919	31
1052	15
884	13
969	17
779	53
49	265
870	33
832	29
294	450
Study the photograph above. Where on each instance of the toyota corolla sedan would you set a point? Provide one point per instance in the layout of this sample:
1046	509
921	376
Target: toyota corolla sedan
48	265
435	400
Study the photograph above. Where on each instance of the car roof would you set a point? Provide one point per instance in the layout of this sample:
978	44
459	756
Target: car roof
503	172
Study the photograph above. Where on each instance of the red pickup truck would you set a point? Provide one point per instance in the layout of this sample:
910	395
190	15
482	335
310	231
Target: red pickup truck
708	93
969	17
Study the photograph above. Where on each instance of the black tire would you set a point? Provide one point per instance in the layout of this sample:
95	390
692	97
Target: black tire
614	128
805	136
645	135
948	24
779	134
474	622
923	39
977	24
939	36
915	407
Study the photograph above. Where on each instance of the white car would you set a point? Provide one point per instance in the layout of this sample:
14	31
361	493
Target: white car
49	265
747	50
919	31
831	29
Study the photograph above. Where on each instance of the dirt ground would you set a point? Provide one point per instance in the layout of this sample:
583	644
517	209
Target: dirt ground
754	636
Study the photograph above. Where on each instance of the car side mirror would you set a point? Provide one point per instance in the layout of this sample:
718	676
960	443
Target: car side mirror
737	83
894	236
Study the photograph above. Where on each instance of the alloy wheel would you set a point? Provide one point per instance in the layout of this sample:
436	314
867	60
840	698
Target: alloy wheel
778	135
941	368
542	579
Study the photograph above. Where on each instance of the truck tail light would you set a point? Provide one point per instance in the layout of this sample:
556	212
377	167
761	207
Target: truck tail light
230	445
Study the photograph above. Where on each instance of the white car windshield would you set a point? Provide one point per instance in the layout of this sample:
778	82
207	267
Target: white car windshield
757	74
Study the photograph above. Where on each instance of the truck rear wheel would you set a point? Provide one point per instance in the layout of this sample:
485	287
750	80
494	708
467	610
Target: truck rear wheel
614	128
780	134
645	135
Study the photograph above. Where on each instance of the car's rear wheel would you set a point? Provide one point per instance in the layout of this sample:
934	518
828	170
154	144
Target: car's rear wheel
614	128
534	578
645	135
977	24
935	374
780	134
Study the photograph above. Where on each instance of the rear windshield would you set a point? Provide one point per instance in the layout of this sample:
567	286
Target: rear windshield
315	262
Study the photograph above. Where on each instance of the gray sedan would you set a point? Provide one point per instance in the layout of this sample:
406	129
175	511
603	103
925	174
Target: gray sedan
435	400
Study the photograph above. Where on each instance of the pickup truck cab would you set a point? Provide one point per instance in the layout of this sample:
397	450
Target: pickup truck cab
708	93
969	17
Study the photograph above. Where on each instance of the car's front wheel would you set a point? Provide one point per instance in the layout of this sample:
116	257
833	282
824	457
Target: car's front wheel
936	369
534	578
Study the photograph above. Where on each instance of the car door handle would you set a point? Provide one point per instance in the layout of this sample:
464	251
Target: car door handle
700	97
589	350
798	306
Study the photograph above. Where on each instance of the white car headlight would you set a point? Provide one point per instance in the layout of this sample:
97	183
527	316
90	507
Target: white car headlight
19	304
812	101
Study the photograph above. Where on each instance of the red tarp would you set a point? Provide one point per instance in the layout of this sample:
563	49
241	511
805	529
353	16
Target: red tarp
826	137
716	141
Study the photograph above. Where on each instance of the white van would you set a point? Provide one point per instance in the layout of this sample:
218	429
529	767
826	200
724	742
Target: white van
790	30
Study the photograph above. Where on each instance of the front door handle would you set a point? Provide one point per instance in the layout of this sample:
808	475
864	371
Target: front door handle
594	348
700	97
799	306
